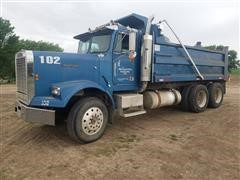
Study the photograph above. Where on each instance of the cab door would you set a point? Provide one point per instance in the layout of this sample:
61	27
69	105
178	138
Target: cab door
124	68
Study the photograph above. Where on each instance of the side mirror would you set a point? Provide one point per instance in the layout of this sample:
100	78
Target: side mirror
132	41
132	55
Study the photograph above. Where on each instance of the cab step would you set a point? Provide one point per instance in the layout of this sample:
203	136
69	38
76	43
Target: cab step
129	104
135	113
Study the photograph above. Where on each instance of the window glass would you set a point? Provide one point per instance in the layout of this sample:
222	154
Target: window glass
96	42
122	44
83	47
100	43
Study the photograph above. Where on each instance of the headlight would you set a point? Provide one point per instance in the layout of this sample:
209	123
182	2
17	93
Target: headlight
56	91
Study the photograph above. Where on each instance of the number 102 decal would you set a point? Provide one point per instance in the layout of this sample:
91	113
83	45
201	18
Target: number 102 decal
50	59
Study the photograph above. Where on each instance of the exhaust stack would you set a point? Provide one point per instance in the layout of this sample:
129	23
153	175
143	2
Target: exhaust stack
146	57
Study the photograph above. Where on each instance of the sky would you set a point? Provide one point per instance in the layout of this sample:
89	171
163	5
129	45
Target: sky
211	22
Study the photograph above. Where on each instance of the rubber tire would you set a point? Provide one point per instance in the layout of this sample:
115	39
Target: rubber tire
74	121
185	96
211	90
193	101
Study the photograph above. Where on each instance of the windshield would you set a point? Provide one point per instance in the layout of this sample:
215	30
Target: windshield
95	44
83	47
100	43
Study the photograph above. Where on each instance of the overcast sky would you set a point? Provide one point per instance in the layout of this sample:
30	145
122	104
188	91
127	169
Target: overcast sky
211	22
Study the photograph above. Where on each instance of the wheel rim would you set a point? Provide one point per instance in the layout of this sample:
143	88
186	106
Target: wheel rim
92	120
218	95
201	99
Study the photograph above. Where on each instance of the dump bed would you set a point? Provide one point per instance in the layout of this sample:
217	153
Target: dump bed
171	64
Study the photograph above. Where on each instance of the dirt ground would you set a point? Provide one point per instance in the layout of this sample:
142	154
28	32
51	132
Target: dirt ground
163	144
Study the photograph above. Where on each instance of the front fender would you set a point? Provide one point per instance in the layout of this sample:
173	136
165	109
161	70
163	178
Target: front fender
68	90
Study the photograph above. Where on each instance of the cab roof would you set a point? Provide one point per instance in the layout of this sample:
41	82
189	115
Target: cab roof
133	20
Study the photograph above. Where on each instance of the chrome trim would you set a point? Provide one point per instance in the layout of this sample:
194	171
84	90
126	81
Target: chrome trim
24	76
153	56
92	121
35	115
20	65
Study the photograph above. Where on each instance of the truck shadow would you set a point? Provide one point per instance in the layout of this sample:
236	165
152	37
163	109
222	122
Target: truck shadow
57	136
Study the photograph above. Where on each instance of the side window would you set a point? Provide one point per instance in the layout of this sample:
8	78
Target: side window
122	44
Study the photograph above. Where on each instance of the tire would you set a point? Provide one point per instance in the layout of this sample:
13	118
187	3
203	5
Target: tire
216	93
184	102
198	98
87	120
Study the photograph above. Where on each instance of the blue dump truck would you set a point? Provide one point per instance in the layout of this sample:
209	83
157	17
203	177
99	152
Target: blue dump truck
124	67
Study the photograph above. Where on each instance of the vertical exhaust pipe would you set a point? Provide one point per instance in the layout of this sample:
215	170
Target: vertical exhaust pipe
146	56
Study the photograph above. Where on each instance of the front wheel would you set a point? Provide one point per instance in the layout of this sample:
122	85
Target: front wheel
87	120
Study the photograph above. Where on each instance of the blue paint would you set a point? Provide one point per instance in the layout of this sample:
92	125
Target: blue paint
68	90
172	65
112	71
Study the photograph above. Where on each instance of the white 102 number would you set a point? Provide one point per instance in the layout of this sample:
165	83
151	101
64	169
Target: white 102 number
50	59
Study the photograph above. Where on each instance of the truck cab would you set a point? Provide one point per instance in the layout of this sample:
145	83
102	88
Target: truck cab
111	48
123	67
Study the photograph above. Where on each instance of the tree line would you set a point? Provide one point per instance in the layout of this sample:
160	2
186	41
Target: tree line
10	43
233	62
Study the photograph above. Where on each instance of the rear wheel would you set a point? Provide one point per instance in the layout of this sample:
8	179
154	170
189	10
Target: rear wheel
87	120
185	96
198	98
215	95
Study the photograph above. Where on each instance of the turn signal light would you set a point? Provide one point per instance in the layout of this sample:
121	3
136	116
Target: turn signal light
36	77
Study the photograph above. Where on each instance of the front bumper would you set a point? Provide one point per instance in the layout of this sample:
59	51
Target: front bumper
35	115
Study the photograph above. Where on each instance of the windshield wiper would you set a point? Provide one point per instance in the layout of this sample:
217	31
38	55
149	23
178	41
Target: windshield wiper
97	51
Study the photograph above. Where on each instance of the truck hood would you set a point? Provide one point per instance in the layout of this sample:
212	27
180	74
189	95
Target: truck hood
55	67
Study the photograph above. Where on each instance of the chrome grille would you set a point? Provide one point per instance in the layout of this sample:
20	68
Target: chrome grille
24	76
21	75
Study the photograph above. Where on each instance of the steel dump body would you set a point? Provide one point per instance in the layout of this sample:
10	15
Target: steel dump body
170	63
